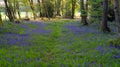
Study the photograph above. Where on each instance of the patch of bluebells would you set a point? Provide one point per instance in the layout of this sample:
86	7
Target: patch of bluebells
81	30
40	29
25	26
100	48
17	39
21	39
103	51
37	59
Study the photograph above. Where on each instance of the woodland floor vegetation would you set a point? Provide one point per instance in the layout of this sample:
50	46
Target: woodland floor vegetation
57	43
59	33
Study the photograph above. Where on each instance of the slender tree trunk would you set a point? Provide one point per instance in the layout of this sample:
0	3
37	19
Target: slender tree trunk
12	8
39	7
73	8
18	9
105	27
45	8
1	23
63	6
8	11
32	8
117	15
58	5
83	13
86	8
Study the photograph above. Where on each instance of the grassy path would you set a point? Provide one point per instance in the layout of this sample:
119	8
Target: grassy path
57	44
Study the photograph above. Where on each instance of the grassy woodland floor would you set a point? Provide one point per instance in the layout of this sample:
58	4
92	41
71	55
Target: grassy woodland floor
60	43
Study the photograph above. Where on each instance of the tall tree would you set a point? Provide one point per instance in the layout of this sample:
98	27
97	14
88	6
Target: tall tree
83	12
58	6
95	10
9	12
105	27
39	7
117	14
17	4
32	8
44	3
73	8
12	7
1	23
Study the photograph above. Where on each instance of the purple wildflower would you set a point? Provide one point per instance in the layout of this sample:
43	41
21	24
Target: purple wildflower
37	59
100	48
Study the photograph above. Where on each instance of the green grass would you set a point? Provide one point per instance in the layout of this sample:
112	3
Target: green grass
9	27
115	42
52	51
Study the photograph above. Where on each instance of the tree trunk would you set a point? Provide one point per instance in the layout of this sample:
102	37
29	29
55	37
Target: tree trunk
117	15
39	7
12	8
8	11
83	13
105	27
1	23
18	9
44	3
58	5
73	8
33	9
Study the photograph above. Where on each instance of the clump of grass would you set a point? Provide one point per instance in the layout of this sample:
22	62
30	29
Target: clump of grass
115	42
57	31
10	27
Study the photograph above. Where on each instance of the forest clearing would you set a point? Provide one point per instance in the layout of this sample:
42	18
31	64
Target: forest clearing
59	33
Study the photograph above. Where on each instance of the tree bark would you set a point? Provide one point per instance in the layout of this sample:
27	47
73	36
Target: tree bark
117	15
32	8
39	7
105	27
1	23
83	13
8	11
73	8
57	7
44	3
18	9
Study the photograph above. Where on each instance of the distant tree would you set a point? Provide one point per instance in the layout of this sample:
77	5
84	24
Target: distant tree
57	7
45	6
17	6
33	8
117	14
39	7
24	4
111	13
73	8
9	10
83	12
95	10
1	23
105	27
